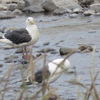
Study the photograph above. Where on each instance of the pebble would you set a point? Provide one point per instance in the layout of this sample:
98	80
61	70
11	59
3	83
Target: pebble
39	54
74	15
46	43
45	50
1	65
11	57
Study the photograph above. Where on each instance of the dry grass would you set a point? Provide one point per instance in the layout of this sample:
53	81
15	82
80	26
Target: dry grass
90	91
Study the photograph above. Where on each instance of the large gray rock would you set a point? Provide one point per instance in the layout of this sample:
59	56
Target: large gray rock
95	7
32	2
33	9
21	5
49	5
67	3
60	11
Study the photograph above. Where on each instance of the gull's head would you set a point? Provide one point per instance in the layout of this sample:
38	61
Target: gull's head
29	21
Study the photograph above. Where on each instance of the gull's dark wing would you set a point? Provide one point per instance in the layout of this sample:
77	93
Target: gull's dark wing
18	36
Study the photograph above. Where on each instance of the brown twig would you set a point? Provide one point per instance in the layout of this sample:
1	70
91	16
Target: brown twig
8	76
21	94
91	87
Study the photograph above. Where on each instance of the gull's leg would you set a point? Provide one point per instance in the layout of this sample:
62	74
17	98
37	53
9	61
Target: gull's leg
25	56
23	52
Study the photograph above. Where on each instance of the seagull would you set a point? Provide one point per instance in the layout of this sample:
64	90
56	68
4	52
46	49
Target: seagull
53	72
22	37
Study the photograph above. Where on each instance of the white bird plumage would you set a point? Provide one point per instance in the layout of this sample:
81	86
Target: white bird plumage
22	37
54	71
52	66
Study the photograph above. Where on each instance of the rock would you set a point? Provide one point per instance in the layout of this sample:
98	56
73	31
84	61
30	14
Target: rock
5	29
60	11
85	48
85	3
86	51
46	43
10	1
69	10
39	54
48	5
32	2
97	14
70	4
3	7
78	10
74	15
21	5
89	12
45	50
24	61
6	15
9	61
95	7
1	35
2	14
11	57
17	12
65	50
11	6
1	65
33	9
54	52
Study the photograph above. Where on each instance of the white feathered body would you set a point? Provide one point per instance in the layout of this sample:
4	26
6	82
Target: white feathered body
52	66
33	32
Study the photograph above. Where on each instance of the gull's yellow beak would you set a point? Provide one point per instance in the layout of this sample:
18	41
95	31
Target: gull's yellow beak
32	22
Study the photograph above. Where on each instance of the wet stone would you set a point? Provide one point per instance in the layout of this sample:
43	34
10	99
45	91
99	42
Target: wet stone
23	61
39	54
85	48
10	57
46	43
74	15
54	52
1	65
46	50
33	9
9	61
48	5
60	11
65	50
